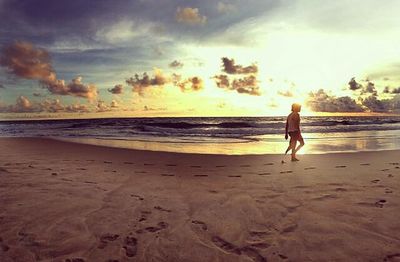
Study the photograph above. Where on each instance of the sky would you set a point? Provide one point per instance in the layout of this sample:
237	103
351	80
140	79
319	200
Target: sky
151	58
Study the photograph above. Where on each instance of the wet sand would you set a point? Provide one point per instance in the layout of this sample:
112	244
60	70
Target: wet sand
63	201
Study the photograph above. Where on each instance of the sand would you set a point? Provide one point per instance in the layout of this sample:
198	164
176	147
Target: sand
63	201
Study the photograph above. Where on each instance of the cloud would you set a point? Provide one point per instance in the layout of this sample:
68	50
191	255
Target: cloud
245	85
29	62
320	101
353	85
77	108
393	91
191	84
189	15
230	67
114	104
224	8
22	105
26	61
176	64
116	90
369	89
222	81
373	104
285	93
74	88
140	84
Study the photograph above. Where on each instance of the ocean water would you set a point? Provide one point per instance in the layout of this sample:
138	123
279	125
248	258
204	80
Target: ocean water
228	135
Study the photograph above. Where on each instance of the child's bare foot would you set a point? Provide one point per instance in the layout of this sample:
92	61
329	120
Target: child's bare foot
295	159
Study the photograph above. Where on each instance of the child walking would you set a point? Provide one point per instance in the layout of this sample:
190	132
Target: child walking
293	130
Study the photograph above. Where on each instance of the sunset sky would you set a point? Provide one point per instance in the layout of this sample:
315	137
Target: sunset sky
103	58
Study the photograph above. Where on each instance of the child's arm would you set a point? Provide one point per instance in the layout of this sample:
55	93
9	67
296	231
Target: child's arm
286	129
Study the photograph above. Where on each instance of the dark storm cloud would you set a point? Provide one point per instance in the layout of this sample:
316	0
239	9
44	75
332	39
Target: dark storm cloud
246	85
320	101
116	90
229	66
26	61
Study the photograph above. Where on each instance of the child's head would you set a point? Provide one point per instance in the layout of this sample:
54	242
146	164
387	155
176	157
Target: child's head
296	107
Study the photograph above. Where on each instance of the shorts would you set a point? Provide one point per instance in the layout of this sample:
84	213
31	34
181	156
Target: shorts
296	136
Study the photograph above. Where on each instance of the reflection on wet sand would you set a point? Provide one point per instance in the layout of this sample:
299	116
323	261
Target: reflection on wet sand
316	143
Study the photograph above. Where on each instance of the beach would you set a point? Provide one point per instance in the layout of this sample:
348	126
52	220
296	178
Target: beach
63	201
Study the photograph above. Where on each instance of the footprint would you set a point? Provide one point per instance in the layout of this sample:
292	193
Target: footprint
202	224
140	172
388	191
225	245
394	163
390	175
289	229
340	166
375	181
386	169
286	172
201	175
162	209
253	254
261	245
128	163
282	256
340	189
81	168
392	257
137	196
195	166
54	174
365	164
220	166
245	166
268	164
90	182
77	259
151	229
325	197
105	238
167	175
235	176
170	165
264	174
146	164
309	168
130	246
107	162
380	203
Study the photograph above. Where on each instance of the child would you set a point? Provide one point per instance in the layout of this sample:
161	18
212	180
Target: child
293	129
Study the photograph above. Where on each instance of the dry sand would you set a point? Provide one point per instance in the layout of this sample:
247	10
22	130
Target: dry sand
62	201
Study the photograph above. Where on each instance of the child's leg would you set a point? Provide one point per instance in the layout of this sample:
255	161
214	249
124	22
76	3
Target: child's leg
293	146
301	140
289	147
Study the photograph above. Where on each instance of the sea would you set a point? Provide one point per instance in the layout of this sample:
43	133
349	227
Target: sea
218	135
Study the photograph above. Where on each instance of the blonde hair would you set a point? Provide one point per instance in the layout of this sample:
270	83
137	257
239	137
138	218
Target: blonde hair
296	107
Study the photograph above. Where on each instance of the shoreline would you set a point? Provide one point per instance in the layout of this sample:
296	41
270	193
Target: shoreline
64	200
